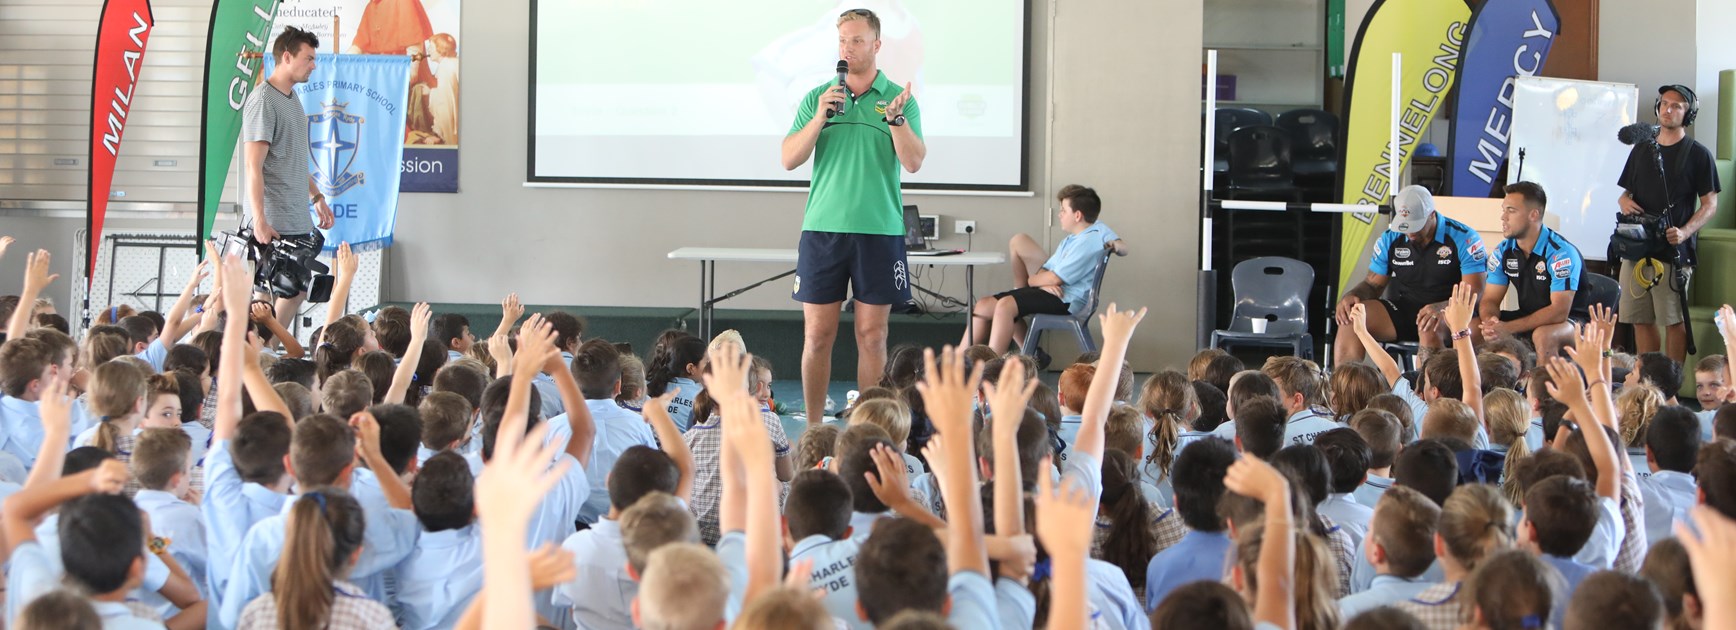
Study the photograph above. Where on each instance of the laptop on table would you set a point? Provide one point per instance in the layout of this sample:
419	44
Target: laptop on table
916	239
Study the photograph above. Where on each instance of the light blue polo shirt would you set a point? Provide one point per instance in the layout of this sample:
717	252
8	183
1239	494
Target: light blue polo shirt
1363	574
974	603
834	572
554	522
1534	434
1371	489
48	537
1197	556
1302	427
617	431
1069	432
155	354
1669	496
22	421
1111	596
179	521
439	578
1386	589
230	507
552	405
35	571
681	406
389	537
1349	513
1637	456
601	592
1075	262
1706	417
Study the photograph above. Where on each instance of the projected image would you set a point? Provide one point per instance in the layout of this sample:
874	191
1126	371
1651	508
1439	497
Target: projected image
686	91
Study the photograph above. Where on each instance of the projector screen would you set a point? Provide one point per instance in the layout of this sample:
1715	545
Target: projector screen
699	92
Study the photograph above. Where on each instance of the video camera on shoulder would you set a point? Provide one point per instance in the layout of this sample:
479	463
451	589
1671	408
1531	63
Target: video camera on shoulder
286	267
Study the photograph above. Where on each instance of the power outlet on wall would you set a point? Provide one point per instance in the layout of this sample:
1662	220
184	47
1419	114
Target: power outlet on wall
963	227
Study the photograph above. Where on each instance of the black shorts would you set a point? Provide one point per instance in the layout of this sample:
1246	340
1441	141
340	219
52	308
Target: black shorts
1035	301
1404	318
869	267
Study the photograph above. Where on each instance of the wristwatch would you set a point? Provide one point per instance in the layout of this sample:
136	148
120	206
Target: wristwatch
158	545
317	197
895	121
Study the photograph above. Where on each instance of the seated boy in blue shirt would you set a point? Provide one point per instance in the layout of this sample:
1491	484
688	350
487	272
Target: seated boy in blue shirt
596	367
1056	286
446	423
323	453
1672	444
1199	484
568	330
1560	513
452	331
1400	545
817	528
162	464
100	550
444	571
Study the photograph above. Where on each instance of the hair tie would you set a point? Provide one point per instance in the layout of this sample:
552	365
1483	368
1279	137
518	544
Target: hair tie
114	314
1040	571
1530	621
318	497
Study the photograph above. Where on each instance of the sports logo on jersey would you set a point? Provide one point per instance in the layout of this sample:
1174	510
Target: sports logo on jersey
899	279
798	287
1444	251
880	107
1539	266
1476	250
1561	267
1402	252
1513	263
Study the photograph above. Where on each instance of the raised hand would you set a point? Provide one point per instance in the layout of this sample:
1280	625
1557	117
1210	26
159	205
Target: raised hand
1710	542
1117	324
1588	350
1009	398
1565	383
516	479
55	406
1727	323
1458	311
347	261
891	484
1604	318
536	345
947	390
1359	319
5	243
1345	306
936	463
550	566
510	310
896	107
198	276
367	436
109	477
420	316
1066	516
258	312
36	276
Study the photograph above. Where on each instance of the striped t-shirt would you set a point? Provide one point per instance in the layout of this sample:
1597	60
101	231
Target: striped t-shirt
272	116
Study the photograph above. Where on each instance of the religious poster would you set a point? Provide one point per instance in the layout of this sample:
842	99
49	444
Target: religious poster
427	30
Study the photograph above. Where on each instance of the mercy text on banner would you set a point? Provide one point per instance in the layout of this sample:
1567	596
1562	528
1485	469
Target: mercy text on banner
1428	34
1508	39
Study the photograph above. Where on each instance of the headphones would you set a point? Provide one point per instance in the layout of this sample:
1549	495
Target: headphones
1687	93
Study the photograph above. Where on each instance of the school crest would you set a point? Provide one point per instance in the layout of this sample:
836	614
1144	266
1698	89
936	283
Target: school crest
336	136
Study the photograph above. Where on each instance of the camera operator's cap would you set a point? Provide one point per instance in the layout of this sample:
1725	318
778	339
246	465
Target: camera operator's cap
1685	91
1411	210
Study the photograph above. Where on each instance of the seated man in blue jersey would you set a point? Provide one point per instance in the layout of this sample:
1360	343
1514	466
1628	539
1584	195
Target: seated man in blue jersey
1057	286
1541	267
1416	263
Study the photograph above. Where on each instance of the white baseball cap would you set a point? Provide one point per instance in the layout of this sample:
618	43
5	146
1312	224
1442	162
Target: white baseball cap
1412	209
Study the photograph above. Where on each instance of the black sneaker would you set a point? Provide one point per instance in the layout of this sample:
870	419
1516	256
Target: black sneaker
1042	359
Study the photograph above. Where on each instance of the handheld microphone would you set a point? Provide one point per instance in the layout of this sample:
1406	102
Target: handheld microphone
1637	133
843	69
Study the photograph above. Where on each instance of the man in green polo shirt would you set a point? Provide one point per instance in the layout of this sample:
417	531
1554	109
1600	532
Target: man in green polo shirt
853	232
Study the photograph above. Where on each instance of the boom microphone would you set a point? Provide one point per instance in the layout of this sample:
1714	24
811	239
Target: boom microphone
1638	133
843	69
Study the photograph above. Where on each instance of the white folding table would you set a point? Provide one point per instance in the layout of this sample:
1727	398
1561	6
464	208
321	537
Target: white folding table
708	258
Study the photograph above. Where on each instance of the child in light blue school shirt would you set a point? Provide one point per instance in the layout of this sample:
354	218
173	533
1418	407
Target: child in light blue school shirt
443	573
681	406
230	507
617	431
1075	262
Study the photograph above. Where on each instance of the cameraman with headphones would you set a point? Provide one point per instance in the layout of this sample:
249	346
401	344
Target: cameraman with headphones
1671	187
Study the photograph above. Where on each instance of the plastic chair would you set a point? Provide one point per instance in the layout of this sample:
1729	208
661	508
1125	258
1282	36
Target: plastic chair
1404	352
1260	163
1594	288
1275	289
1228	120
1313	140
1077	323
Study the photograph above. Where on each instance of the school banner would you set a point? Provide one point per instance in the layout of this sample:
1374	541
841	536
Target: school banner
427	31
237	37
1507	39
120	55
1429	35
355	125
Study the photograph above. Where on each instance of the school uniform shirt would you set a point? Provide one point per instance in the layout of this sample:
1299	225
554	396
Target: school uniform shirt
1371	489
601	592
1302	427
453	355
1534	434
1572	573
1706	418
1552	265
1160	480
1075	262
1386	589
1017	608
201	437
1436	606
178	521
1197	556
555	520
705	442
1605	542
22	422
1338	542
1111	597
835	573
389	537
1350	515
1165	528
1362	574
423	454
439	578
912	465
1631	551
1069	432
681	406
1669	495
1637	456
48	537
12	469
229	508
155	354
974	603
548	392
118	616
617	431
351	610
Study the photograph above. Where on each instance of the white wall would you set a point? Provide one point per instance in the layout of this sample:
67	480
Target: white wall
1125	121
1647	44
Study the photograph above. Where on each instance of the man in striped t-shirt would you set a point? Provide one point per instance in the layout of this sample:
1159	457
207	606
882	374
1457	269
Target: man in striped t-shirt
279	183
